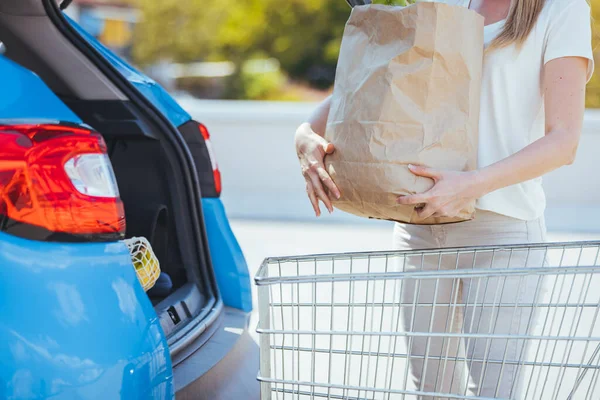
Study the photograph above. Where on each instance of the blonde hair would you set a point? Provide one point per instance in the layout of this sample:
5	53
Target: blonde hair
521	19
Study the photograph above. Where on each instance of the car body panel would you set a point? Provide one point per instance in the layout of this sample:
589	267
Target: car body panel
26	96
229	264
230	355
75	323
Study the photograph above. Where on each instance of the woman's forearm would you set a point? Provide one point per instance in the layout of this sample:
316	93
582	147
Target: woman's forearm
318	119
564	103
554	150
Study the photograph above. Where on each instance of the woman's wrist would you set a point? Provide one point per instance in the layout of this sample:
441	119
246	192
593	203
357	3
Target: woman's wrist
481	182
303	128
302	132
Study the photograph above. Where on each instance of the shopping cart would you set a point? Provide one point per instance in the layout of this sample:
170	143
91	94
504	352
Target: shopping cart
508	322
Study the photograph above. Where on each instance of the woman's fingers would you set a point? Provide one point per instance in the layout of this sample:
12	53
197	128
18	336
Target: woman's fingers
424	172
315	185
426	212
310	191
327	147
413	199
328	182
318	189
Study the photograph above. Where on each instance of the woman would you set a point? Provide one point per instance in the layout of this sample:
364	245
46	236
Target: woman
538	61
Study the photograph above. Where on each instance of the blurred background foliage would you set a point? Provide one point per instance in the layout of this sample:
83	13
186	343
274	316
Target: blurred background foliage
302	35
245	49
593	89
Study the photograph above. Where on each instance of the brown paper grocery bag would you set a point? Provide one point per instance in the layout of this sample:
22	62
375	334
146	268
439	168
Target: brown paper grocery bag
406	91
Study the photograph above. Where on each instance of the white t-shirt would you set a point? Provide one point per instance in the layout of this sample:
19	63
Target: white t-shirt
512	103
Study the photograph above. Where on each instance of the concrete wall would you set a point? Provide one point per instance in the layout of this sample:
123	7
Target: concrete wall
261	175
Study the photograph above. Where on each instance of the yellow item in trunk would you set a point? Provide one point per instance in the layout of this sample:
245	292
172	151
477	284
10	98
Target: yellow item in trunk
144	261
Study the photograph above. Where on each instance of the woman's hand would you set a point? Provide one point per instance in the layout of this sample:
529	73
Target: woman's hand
311	150
451	192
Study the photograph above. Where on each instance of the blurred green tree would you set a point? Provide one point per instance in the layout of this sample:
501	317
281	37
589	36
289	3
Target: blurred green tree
304	35
592	99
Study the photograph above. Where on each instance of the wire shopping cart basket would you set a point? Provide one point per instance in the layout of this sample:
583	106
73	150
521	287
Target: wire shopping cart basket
502	322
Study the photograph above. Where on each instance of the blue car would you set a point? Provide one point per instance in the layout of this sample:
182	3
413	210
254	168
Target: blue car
93	152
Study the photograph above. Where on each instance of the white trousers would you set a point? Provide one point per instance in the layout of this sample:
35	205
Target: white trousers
469	366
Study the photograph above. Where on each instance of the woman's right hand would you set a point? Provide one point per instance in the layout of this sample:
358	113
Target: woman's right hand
311	149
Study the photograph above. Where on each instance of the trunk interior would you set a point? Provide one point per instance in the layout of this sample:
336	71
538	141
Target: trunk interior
140	168
149	173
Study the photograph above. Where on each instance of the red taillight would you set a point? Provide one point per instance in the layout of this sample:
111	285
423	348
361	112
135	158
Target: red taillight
213	159
59	178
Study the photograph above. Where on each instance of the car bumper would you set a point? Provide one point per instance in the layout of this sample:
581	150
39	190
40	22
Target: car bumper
222	365
75	323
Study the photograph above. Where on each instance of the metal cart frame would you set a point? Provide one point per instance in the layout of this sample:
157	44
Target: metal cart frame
342	326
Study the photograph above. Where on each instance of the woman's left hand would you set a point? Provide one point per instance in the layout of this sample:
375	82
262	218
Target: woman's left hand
451	192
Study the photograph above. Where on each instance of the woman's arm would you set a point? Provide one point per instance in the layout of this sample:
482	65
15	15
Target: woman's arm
564	94
311	149
564	91
318	119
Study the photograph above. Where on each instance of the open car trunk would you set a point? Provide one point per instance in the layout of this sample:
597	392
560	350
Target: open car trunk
156	175
147	177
